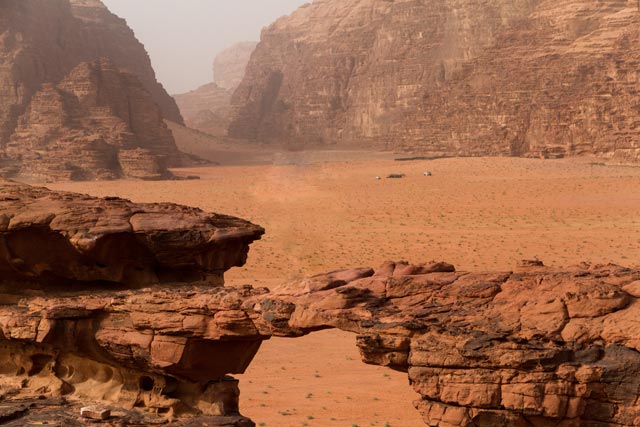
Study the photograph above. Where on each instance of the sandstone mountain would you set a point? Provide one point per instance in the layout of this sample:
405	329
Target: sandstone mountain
42	47
207	108
98	123
525	77
41	42
111	37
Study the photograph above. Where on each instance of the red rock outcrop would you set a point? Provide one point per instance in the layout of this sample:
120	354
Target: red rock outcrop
42	45
97	123
207	108
41	42
532	347
111	37
74	325
525	78
71	238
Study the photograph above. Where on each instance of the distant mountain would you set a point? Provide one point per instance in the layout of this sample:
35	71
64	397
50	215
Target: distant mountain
207	108
229	65
98	123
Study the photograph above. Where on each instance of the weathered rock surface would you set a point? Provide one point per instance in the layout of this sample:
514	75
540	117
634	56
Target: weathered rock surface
69	239
97	123
41	42
207	108
533	347
45	89
524	78
536	346
75	325
111	37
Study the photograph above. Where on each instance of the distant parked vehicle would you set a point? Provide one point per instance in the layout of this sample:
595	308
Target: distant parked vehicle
378	177
396	175
427	173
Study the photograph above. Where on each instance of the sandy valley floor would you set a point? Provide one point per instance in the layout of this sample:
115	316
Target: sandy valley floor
478	214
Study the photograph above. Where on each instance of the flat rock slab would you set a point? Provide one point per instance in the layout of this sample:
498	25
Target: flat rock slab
65	238
95	412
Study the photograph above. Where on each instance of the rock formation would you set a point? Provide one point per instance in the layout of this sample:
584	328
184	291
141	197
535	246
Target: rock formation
98	123
41	42
207	108
535	347
76	326
523	78
42	47
107	302
111	37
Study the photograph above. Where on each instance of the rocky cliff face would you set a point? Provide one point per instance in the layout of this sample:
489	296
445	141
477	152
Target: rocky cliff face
97	123
89	334
526	77
532	347
109	302
111	37
42	42
207	108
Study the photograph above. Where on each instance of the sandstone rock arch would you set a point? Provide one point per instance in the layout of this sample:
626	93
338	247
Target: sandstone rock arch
530	347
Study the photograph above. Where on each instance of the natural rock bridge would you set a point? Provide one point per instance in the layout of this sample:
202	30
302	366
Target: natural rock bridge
121	304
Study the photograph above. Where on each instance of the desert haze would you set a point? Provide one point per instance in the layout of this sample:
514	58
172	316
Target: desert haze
339	213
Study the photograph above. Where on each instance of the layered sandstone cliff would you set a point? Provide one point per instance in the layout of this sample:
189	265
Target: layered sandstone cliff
41	45
207	107
97	123
76	327
41	42
525	78
533	347
110	36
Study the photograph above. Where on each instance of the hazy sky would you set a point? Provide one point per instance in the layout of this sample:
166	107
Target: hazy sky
183	36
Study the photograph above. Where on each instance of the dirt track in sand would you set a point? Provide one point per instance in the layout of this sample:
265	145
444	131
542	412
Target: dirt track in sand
479	214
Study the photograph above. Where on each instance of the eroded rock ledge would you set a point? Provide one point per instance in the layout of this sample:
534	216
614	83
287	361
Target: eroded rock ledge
76	240
532	347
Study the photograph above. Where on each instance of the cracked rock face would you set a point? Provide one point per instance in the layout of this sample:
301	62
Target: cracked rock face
449	78
115	304
67	113
41	42
533	347
76	325
98	123
64	238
